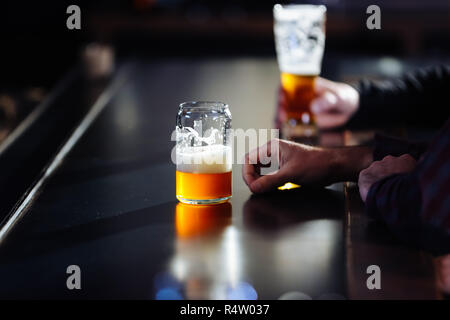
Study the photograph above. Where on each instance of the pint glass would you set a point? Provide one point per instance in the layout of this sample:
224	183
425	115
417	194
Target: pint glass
203	153
299	39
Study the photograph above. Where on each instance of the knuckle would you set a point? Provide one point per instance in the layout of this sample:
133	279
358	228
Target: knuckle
408	158
374	164
362	173
254	186
276	142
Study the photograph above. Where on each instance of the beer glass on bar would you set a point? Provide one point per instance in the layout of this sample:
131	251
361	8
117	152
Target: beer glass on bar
203	152
299	39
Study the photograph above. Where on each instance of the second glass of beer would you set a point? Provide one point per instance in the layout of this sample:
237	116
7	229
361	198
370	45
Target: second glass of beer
203	153
300	39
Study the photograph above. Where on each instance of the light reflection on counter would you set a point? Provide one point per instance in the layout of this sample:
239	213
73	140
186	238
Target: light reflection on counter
201	220
207	260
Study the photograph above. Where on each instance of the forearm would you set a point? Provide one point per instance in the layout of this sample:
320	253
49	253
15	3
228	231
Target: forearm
347	162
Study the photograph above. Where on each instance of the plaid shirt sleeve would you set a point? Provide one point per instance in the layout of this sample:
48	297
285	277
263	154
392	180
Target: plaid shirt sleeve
419	199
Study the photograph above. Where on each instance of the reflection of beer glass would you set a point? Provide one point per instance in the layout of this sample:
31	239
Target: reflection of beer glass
192	220
207	259
299	39
203	153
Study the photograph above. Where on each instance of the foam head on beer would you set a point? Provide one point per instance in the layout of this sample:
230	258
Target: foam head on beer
204	159
299	38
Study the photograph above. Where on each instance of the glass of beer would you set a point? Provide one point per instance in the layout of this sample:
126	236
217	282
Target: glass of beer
203	153
299	39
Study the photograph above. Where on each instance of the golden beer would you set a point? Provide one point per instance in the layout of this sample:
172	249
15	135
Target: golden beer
297	93
203	186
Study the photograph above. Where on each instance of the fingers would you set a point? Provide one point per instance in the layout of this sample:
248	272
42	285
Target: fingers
329	121
365	181
408	160
322	85
268	182
324	103
443	273
249	173
256	159
379	170
327	115
401	164
251	162
265	153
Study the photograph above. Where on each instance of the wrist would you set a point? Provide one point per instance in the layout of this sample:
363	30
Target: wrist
347	162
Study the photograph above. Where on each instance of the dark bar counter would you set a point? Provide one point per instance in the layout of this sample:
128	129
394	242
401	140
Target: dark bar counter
106	203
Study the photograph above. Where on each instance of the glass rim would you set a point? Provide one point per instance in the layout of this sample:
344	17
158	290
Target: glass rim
298	5
203	105
286	8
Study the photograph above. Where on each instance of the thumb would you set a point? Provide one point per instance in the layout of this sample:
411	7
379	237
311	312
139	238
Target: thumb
267	182
322	85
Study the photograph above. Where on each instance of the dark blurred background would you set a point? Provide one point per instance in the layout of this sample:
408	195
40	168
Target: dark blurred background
37	49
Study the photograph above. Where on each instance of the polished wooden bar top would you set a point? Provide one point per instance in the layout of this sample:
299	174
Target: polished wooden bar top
108	206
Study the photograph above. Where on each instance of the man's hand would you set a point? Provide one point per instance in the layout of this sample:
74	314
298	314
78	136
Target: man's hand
381	169
443	273
334	104
304	165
